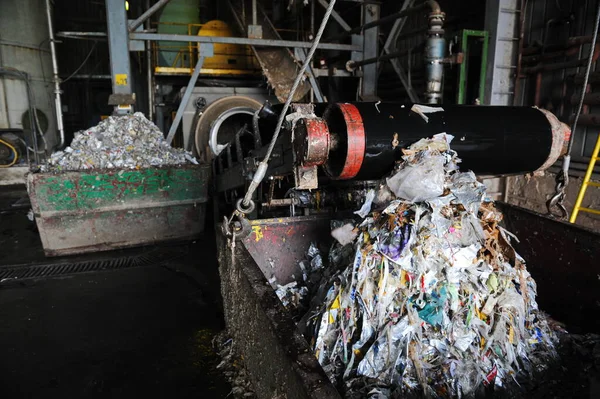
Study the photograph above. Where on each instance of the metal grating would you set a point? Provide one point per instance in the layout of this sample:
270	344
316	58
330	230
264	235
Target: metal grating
45	270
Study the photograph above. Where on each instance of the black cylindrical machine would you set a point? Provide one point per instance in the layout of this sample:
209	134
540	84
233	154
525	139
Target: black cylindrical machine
366	139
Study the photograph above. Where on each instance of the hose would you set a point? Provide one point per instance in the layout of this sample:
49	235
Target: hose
262	168
14	150
82	64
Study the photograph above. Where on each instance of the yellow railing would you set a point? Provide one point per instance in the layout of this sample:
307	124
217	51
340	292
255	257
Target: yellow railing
587	181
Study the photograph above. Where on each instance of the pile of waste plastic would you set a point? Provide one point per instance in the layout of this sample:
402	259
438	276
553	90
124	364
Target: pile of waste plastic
435	301
127	142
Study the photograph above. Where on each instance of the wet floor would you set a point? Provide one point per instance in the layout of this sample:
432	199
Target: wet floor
128	332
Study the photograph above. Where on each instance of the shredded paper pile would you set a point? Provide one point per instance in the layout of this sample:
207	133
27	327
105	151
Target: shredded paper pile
127	142
435	301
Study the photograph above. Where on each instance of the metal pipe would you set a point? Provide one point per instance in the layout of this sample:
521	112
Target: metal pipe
534	59
81	34
574	41
384	20
555	66
149	12
435	51
312	19
241	40
88	76
55	78
588	120
149	84
254	13
352	65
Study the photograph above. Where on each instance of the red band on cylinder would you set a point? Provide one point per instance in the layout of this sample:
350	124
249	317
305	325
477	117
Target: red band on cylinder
317	142
356	141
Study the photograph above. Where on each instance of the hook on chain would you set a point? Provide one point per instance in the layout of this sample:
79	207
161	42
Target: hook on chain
236	228
557	201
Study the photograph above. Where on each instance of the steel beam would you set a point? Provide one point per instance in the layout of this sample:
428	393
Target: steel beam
370	50
149	12
390	45
205	52
240	40
120	68
338	18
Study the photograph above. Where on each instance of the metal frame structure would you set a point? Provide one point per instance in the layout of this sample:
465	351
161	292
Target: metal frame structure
120	66
364	48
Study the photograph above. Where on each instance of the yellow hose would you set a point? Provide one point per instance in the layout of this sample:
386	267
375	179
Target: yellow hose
14	150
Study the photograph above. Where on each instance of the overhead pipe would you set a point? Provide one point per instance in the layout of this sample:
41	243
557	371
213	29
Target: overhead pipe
353	65
574	41
55	78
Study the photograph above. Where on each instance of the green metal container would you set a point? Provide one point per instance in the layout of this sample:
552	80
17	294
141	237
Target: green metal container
99	210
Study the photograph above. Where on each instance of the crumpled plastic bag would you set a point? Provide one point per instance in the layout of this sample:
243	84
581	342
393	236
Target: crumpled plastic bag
418	182
366	207
345	234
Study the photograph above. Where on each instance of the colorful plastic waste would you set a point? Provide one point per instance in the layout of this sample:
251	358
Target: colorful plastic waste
128	142
435	301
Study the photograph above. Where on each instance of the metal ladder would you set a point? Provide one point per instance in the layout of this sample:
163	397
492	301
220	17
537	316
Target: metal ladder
587	181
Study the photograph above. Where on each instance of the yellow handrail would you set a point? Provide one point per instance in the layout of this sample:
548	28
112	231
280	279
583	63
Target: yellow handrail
587	182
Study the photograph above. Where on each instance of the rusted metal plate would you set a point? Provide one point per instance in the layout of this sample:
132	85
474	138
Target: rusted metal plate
278	64
99	210
277	245
564	260
277	357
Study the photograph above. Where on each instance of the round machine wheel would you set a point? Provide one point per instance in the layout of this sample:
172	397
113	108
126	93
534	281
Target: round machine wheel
219	122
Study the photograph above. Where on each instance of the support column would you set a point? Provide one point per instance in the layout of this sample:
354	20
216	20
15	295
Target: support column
118	46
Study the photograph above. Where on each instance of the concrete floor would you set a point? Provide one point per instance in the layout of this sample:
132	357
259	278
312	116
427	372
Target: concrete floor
108	334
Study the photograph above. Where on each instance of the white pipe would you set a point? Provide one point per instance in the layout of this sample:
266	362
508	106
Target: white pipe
55	78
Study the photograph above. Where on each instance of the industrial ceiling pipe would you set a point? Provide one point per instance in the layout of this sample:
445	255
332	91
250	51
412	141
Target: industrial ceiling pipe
55	78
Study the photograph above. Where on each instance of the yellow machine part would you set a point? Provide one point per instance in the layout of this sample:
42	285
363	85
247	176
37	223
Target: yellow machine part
227	57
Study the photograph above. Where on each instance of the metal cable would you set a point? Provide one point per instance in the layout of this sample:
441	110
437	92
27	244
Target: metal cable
260	173
82	64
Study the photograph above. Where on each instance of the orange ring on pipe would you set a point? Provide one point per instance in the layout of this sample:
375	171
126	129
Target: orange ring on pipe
356	141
